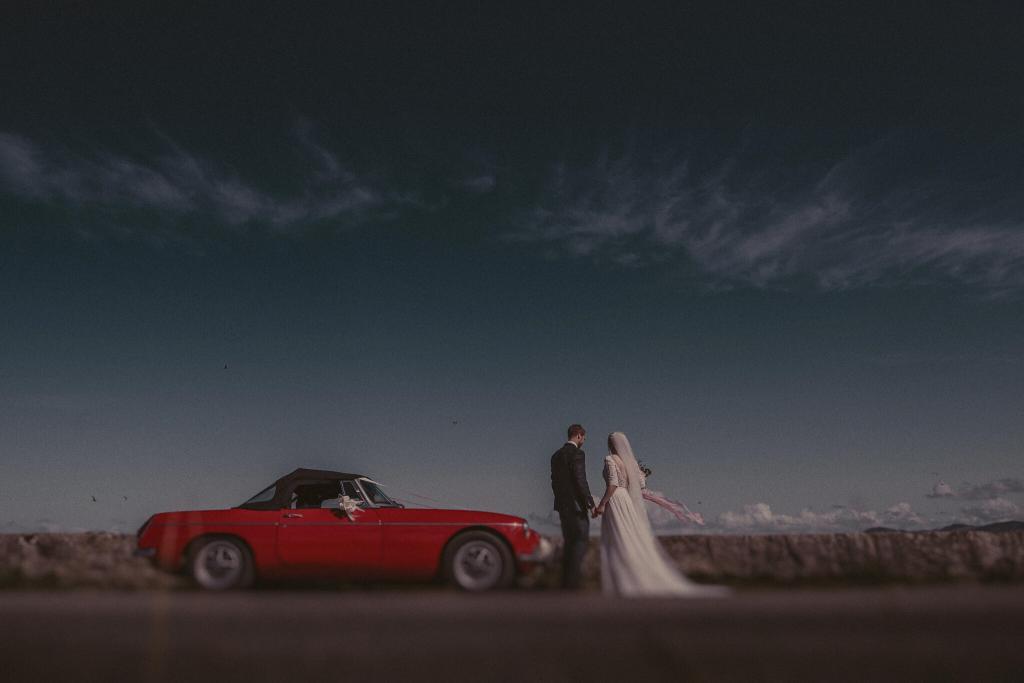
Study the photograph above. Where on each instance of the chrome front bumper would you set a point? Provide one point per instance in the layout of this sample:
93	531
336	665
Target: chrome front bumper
542	553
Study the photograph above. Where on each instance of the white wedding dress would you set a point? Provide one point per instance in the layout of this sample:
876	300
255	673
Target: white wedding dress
633	563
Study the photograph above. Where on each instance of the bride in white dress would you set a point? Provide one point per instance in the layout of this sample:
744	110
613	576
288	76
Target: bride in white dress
633	562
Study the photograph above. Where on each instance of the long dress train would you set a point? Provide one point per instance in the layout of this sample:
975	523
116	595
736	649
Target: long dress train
633	563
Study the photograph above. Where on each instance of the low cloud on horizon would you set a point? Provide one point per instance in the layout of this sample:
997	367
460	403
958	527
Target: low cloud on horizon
987	504
986	491
760	518
988	501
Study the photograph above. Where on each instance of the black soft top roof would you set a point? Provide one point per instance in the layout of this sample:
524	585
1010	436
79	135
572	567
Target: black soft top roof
303	473
285	484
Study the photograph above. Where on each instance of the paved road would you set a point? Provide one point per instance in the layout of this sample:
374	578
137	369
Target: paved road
953	634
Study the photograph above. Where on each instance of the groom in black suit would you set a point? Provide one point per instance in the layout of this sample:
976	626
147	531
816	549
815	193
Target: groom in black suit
572	501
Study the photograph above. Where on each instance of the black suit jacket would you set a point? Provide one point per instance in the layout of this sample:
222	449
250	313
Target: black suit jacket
569	480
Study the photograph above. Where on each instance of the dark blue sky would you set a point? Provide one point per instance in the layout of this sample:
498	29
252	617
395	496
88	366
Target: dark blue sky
780	247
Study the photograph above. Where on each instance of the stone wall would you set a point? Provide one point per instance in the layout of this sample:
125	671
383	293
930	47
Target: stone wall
85	560
839	558
104	560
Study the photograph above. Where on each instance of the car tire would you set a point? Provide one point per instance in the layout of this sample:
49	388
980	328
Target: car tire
477	561
220	563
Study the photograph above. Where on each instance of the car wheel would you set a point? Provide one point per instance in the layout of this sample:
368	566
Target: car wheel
220	563
478	561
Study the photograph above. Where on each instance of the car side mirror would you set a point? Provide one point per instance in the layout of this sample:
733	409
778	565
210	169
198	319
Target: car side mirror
331	504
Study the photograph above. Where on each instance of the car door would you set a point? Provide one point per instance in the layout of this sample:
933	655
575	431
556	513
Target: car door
413	540
330	543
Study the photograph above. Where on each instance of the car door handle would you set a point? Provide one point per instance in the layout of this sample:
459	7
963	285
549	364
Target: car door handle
292	515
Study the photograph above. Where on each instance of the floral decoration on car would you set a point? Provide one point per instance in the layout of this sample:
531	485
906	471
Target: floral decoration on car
349	506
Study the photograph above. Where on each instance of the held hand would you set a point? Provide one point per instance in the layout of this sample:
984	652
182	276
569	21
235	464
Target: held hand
599	510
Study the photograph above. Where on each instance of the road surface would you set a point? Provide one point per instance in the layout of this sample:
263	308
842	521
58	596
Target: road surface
935	634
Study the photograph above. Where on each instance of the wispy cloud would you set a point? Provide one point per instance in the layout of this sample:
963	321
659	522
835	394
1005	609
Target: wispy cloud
774	226
180	183
479	184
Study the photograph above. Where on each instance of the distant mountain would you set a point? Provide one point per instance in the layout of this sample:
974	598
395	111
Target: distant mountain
1003	526
995	527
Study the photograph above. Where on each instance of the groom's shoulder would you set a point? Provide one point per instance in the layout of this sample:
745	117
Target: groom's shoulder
566	449
573	452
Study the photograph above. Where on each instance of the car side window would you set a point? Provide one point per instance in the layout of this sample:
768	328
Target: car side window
313	494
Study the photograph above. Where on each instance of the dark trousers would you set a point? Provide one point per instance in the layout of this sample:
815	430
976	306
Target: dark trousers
576	535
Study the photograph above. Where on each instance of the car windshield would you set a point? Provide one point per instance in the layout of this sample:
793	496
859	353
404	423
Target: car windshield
350	489
377	497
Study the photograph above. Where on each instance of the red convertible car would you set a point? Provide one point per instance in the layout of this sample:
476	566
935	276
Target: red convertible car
322	524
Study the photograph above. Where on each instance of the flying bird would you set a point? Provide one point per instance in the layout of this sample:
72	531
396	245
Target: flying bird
94	499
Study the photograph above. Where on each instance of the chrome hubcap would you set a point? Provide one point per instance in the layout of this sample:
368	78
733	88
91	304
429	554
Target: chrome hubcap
477	565
218	565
